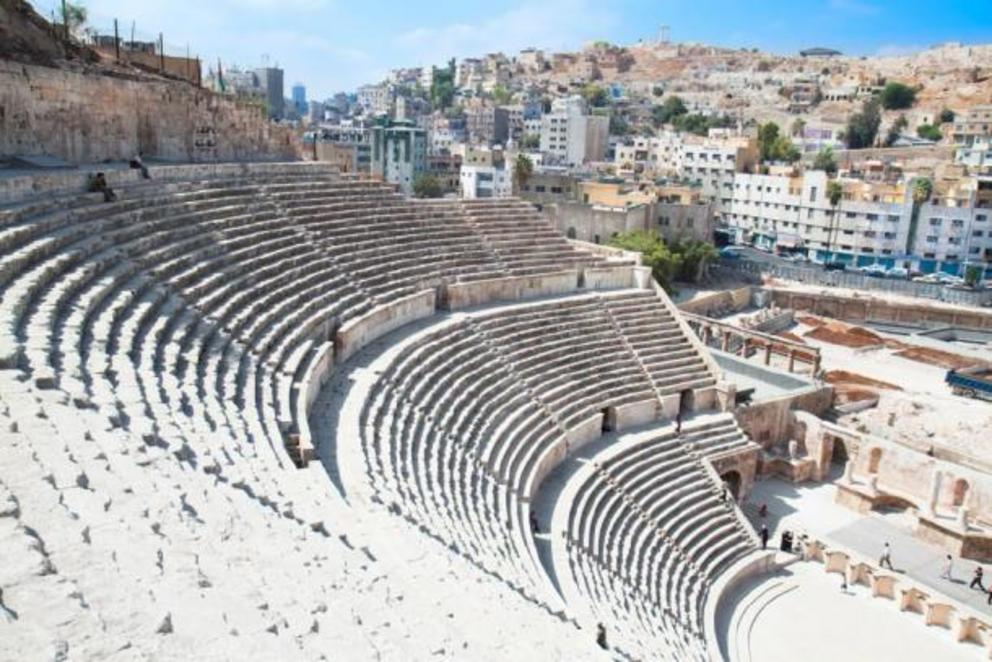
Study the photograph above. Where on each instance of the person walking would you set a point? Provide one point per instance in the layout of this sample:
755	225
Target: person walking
989	601
886	560
764	537
976	579
948	568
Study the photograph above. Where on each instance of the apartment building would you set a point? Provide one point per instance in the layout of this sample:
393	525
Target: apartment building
571	137
350	148
482	181
399	152
973	125
713	163
872	223
486	124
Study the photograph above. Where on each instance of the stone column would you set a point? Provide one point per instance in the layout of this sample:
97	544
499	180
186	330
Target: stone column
744	348
724	340
931	505
768	354
848	477
792	360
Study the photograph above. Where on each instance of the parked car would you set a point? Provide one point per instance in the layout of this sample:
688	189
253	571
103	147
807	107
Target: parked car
932	279
897	272
731	252
874	270
834	266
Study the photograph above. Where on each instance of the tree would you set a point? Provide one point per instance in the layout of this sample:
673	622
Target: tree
896	130
862	127
946	116
74	16
825	161
798	126
443	86
929	132
669	109
530	141
695	257
835	194
921	189
523	169
595	95
501	96
427	186
767	135
655	254
972	275
657	90
896	96
618	125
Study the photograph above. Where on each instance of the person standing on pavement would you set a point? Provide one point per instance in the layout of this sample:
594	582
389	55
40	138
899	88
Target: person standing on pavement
976	579
764	537
886	560
948	568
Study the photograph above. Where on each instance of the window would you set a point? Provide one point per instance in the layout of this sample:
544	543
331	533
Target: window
929	256
539	188
931	239
974	250
935	222
893	218
812	194
886	251
980	217
957	223
663	221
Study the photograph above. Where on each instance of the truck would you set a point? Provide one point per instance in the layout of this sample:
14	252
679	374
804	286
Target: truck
971	382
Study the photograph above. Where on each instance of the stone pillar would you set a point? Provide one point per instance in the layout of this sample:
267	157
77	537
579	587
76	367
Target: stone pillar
848	476
724	340
768	354
744	348
962	518
931	505
873	484
792	360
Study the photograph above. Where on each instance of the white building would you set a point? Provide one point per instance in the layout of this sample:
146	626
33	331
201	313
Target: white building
871	224
479	181
399	153
571	137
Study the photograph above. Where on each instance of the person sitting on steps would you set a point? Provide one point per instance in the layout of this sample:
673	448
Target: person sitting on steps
98	184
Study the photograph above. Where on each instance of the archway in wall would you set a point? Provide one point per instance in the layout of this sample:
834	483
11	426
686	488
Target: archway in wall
839	455
732	479
570	233
959	493
874	458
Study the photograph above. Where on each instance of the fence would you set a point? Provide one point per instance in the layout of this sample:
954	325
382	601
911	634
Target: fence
750	270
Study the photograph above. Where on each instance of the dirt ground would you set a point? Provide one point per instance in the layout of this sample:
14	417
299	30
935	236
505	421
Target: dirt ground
839	377
839	333
946	360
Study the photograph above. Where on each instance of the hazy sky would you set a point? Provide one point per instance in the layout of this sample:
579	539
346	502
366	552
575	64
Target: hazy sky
333	45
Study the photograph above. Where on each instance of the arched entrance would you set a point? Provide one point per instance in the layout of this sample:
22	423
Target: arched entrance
732	479
839	454
570	233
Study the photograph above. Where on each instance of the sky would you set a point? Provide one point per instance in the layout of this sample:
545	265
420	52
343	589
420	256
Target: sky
336	45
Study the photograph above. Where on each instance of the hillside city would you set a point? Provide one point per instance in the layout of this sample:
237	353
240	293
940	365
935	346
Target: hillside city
631	349
877	163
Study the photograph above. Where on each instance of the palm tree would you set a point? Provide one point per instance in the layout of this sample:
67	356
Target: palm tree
523	168
835	193
922	189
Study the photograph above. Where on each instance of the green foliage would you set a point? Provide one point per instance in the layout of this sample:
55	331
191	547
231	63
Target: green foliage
701	124
618	125
595	95
929	132
683	260
74	15
862	127
427	186
896	96
972	274
501	96
825	161
443	86
798	126
896	130
922	190
946	116
835	193
772	146
523	169
657	90
669	109
530	141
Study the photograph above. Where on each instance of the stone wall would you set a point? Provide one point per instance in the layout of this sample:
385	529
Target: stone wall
84	116
357	333
718	302
864	309
457	296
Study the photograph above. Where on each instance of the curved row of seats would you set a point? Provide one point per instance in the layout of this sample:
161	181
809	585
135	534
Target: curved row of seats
206	301
460	423
646	531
